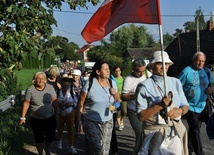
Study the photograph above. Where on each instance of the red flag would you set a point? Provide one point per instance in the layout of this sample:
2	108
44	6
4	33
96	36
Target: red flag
113	13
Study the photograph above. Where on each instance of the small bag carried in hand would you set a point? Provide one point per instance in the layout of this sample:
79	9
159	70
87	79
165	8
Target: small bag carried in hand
171	145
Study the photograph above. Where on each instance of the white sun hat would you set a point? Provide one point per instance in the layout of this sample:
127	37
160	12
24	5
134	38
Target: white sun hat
76	72
158	58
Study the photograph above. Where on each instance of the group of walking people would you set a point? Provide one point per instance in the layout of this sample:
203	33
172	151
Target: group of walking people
153	101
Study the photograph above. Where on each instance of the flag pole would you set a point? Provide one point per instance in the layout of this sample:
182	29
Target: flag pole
161	43
163	61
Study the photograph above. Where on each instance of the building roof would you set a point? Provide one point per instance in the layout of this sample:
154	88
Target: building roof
135	53
182	49
85	48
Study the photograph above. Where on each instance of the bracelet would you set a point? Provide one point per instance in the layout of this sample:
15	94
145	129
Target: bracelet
22	118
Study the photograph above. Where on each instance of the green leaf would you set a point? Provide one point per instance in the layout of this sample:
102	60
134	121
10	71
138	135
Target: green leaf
51	52
9	9
40	55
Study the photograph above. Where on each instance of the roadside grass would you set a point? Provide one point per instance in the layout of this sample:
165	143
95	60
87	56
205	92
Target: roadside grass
25	77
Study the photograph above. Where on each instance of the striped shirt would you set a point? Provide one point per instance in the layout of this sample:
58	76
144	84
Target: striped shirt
40	101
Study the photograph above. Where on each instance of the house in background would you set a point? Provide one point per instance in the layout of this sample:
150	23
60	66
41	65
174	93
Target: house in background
182	49
136	53
84	51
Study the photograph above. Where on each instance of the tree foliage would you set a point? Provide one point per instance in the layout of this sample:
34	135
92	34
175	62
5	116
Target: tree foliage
130	36
63	49
71	54
167	39
26	26
191	25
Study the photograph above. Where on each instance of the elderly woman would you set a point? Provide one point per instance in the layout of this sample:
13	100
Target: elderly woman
164	132
97	98
53	77
38	100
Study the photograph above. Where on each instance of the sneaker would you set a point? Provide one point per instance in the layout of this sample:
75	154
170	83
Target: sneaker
59	144
72	150
121	124
120	128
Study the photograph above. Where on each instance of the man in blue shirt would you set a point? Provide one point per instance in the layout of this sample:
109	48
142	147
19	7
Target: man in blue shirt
196	81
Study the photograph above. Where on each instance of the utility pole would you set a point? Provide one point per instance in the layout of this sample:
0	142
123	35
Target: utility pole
197	34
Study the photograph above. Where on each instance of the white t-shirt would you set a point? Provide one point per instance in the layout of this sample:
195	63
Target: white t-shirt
130	85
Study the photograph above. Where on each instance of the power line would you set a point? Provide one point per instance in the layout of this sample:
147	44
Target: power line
83	12
78	12
66	32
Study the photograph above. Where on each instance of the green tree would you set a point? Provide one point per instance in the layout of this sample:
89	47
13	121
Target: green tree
167	39
63	49
130	36
191	25
26	26
71	53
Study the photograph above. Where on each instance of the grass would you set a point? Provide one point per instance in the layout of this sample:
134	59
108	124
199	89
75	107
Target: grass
25	77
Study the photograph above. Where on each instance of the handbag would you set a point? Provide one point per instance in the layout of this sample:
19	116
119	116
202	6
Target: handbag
208	110
210	122
171	145
210	128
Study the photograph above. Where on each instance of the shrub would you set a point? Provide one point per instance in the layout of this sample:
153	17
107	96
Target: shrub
3	92
8	84
12	136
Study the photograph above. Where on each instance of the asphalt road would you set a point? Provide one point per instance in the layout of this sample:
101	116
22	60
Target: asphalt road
125	139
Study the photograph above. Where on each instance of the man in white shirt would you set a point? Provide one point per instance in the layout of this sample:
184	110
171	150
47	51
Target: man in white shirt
139	73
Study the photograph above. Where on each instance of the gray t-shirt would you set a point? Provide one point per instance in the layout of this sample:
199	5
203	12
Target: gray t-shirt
40	101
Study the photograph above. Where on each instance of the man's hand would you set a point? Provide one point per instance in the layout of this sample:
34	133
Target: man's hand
174	113
166	102
210	89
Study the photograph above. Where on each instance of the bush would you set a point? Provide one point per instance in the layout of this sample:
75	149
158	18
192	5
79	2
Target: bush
11	132
3	92
8	84
12	136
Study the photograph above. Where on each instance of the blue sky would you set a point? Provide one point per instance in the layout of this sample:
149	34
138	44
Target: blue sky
174	14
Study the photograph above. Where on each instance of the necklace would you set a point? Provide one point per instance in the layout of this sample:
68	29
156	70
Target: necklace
158	87
108	94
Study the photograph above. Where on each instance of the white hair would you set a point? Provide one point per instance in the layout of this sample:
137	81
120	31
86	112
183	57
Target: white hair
198	53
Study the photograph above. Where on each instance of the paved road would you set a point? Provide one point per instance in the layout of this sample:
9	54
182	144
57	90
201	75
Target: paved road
125	142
